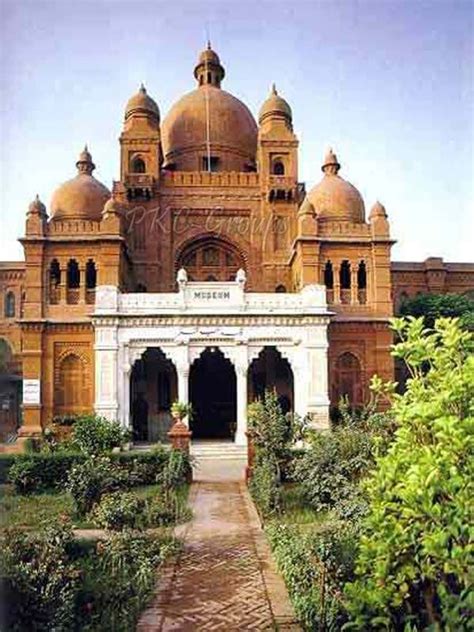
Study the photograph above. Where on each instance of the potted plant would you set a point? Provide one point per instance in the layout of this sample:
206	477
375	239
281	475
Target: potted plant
180	410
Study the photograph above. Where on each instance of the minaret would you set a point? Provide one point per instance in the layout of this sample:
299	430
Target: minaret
140	143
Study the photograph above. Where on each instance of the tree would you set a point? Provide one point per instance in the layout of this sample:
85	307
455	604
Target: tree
433	306
415	562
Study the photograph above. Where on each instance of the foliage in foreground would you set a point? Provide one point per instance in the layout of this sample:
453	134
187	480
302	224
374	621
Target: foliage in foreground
50	582
415	562
272	434
315	565
93	435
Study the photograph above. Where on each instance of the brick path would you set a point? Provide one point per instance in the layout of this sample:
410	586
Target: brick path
225	578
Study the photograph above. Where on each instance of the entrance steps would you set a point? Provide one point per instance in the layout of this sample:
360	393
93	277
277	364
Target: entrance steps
218	450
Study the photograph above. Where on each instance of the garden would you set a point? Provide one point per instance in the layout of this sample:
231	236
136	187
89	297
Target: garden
85	527
371	524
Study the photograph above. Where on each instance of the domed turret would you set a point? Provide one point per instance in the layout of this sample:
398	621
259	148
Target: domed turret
37	207
378	210
83	197
275	107
142	103
334	198
209	123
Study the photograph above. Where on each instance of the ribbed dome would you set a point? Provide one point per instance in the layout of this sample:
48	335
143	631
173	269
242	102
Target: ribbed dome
83	197
334	198
275	105
232	130
141	103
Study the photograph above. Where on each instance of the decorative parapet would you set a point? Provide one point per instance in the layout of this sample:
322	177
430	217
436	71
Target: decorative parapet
210	298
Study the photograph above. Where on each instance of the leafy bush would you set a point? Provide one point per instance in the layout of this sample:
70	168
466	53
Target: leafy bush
331	469
92	434
44	471
120	578
39	472
88	481
434	306
315	566
176	471
264	486
40	583
119	510
415	561
166	509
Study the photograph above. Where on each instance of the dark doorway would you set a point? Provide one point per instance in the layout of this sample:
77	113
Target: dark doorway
270	371
213	395
153	388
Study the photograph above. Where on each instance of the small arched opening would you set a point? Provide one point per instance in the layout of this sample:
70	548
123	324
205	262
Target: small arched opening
138	165
329	282
153	388
345	281
91	281
271	371
54	282
280	289
9	308
213	395
278	168
73	278
362	283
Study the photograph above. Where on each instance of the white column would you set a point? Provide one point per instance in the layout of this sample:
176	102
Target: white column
241	371
126	375
106	372
183	383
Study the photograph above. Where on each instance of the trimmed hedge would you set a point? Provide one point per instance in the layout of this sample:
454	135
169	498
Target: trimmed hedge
49	471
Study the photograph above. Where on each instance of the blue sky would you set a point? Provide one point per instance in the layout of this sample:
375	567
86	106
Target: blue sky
387	84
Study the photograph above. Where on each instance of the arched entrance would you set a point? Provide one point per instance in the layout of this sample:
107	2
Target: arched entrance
153	388
213	395
270	370
211	259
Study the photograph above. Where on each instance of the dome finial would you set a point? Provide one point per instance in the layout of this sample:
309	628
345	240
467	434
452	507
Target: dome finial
142	88
274	88
85	164
209	47
330	165
209	70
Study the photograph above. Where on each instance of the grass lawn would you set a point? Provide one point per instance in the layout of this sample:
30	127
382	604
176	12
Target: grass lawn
33	510
295	509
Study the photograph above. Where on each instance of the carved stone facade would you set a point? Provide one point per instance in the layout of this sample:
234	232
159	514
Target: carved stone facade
211	193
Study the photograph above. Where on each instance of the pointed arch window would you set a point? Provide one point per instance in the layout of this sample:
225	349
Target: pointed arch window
138	165
91	281
345	281
9	305
278	168
54	282
362	283
329	282
73	282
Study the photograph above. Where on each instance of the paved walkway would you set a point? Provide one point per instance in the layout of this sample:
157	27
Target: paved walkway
225	578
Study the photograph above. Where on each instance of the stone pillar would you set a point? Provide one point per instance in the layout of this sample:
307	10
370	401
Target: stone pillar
82	285
242	398
125	396
106	372
354	288
183	383
337	285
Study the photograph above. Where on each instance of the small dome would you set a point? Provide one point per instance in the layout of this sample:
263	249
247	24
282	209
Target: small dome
378	210
37	207
82	197
208	56
275	105
112	207
334	198
142	103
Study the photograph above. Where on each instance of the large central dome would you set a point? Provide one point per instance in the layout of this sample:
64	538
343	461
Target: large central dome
209	123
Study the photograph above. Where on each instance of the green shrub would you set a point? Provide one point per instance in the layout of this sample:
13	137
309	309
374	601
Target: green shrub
119	510
264	486
414	569
45	471
167	509
89	480
92	434
176	471
40	583
119	580
315	565
39	472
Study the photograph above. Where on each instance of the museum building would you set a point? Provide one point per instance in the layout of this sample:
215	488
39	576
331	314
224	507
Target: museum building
206	274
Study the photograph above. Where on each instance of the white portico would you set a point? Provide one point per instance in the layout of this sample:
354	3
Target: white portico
217	316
